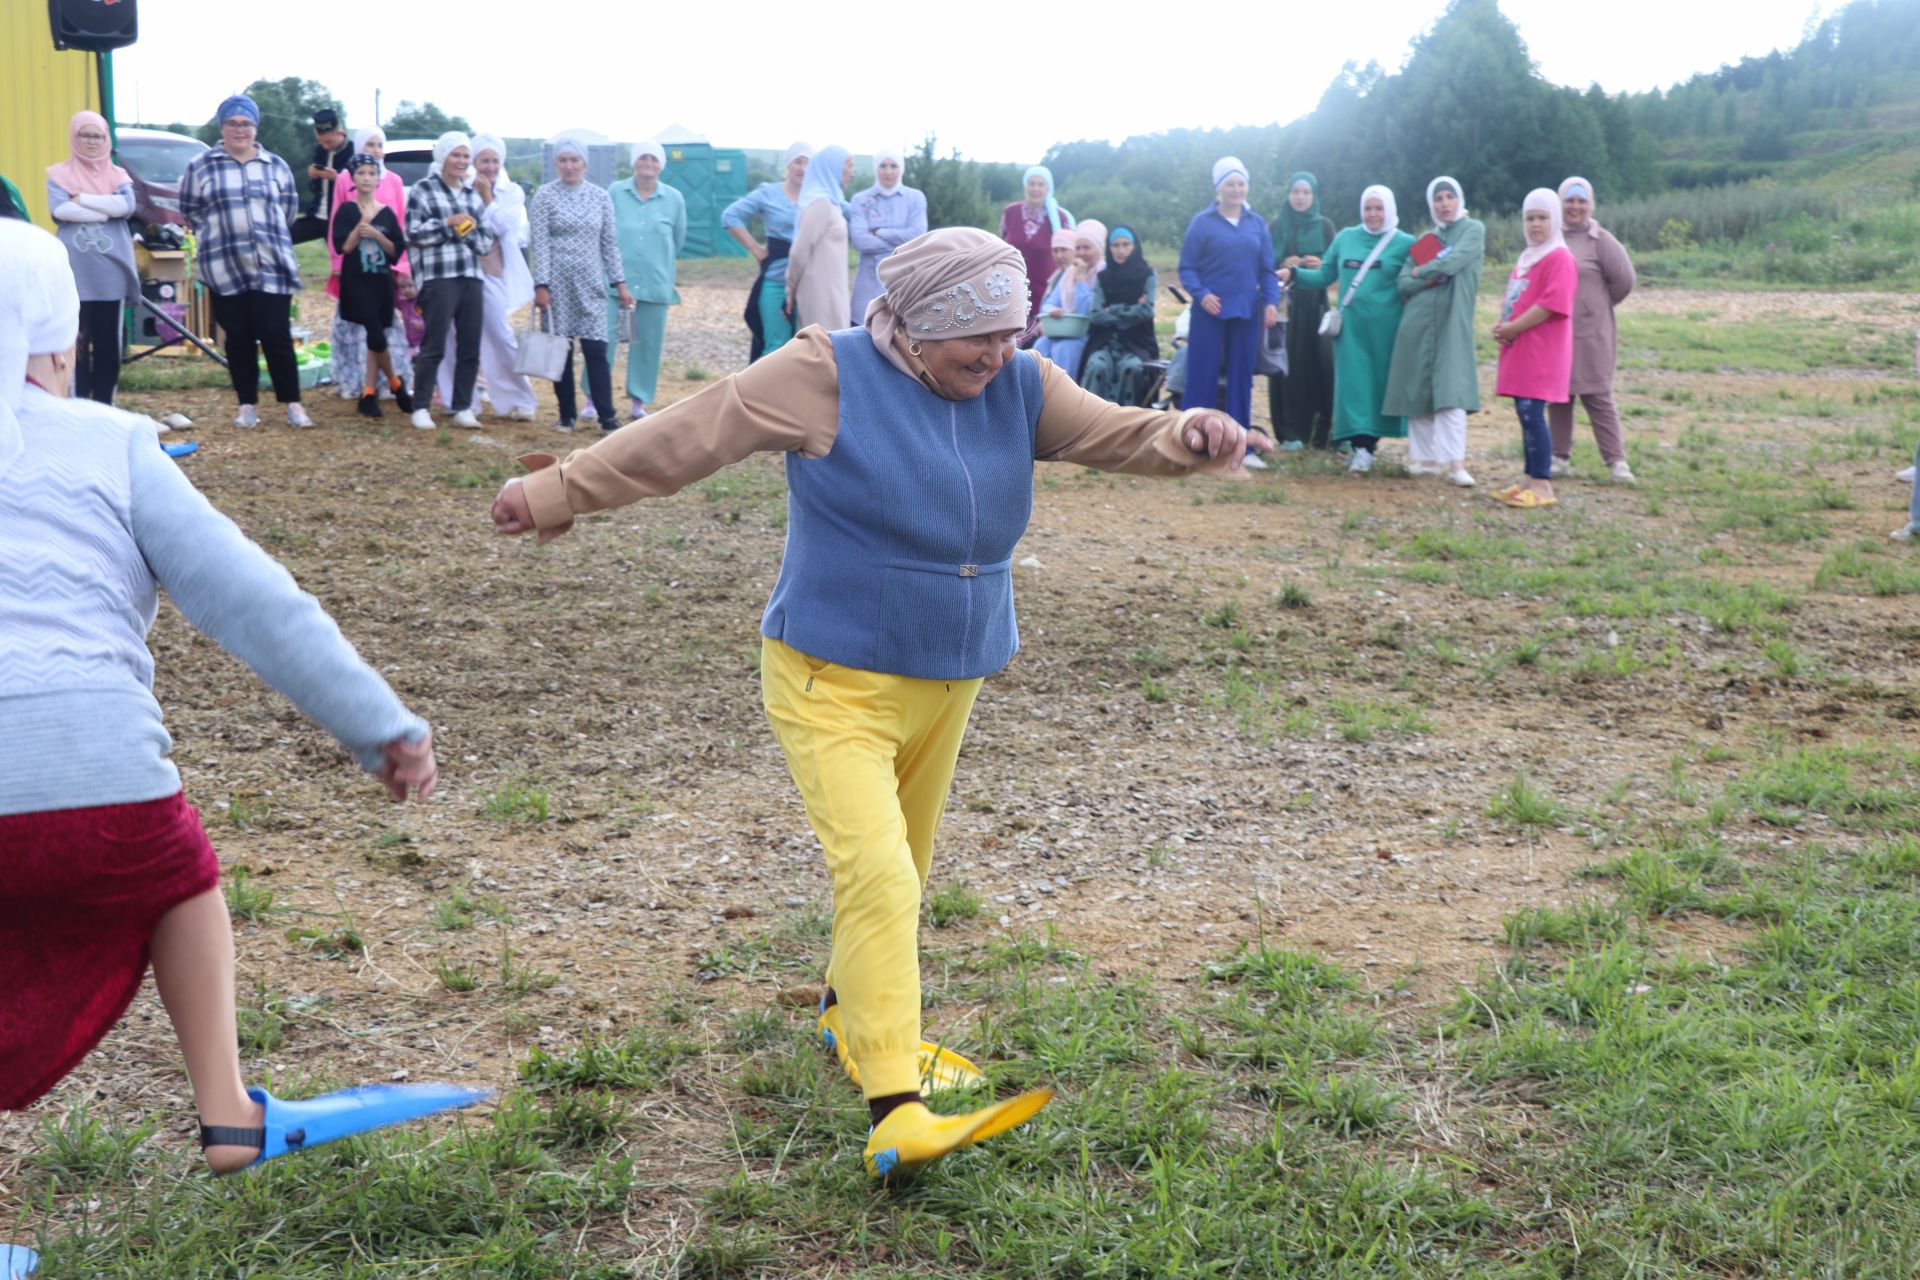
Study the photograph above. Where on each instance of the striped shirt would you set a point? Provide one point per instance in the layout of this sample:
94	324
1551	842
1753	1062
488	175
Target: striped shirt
436	252
240	214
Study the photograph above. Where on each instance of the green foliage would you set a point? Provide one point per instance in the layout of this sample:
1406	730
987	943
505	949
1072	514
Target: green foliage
423	120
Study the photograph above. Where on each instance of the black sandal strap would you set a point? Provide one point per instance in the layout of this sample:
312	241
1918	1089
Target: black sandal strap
226	1135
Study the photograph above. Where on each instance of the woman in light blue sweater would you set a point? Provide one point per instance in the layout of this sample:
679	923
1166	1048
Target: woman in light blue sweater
103	864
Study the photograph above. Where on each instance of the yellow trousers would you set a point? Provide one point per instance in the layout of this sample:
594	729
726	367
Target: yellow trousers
873	757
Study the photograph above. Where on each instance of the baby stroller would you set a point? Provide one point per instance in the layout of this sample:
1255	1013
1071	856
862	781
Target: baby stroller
1272	361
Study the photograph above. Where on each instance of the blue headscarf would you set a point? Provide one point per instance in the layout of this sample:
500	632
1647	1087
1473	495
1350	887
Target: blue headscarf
823	178
238	105
1041	171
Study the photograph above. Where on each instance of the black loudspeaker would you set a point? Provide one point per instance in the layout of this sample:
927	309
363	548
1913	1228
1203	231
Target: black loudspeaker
93	25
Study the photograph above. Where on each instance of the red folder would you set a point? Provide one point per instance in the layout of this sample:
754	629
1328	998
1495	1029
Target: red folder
1425	249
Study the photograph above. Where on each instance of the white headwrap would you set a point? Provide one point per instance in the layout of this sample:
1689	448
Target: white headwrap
1460	190
564	144
648	148
1392	207
899	158
794	152
444	144
1539	198
39	315
488	142
1225	167
366	135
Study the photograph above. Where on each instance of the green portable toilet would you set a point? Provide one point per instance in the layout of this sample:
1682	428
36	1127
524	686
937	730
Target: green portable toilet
711	179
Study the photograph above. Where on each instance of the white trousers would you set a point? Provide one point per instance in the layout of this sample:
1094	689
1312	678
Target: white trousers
1441	438
505	389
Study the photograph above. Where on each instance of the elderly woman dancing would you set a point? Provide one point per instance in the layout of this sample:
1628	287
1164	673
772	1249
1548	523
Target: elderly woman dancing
910	446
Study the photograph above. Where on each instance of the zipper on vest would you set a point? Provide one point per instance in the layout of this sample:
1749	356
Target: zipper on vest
973	530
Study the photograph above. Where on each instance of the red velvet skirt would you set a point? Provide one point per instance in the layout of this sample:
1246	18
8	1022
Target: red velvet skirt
81	891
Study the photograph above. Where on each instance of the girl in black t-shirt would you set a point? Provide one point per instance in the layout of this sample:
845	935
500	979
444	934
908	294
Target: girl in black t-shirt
370	239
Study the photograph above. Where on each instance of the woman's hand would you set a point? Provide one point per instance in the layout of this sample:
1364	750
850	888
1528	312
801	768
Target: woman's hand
626	299
1312	261
511	513
1054	313
1503	332
1213	433
1292	260
1273	316
542	297
1211	304
1285	274
483	187
409	766
759	251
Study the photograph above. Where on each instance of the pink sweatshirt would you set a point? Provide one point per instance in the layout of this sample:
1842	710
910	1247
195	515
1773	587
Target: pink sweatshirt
1538	365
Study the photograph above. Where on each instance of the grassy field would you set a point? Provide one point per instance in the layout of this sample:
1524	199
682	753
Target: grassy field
1695	1053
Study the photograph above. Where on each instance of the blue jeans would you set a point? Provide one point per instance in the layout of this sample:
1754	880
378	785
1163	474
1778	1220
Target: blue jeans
1535	436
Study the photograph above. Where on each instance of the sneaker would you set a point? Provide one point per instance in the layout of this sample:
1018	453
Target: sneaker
402	397
1361	462
1292	446
522	414
347	392
1423	468
1905	533
589	414
1560	467
247	417
635	410
369	407
1460	478
1254	462
465	419
1904	475
297	415
565	424
422	420
1622	473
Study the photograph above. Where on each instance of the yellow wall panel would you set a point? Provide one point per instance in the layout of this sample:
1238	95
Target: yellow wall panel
39	92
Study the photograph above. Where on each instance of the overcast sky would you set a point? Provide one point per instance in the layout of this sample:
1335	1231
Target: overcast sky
890	74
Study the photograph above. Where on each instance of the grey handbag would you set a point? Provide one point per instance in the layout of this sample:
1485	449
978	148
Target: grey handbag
539	353
1330	322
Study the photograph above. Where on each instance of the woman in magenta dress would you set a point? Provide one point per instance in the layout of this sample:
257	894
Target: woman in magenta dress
1028	225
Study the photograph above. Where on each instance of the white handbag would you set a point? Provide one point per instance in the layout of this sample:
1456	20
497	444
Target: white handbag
537	352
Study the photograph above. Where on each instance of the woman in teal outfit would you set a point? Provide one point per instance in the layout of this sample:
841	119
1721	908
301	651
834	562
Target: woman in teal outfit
650	220
1369	320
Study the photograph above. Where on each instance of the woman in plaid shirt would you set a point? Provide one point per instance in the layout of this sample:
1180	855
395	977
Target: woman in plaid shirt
241	202
445	241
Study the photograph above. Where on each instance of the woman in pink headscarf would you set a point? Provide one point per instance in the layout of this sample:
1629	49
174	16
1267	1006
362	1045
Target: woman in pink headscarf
910	446
92	198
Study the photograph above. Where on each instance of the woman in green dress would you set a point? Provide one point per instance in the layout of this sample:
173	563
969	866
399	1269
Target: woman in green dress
1365	261
650	222
1435	380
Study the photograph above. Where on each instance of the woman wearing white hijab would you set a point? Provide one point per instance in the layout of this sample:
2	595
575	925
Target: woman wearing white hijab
1226	264
505	279
1364	261
1535	333
1606	278
882	218
104	866
650	219
1435	381
817	289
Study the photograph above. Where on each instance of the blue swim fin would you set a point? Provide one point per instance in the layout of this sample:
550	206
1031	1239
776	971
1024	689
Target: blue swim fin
294	1126
178	449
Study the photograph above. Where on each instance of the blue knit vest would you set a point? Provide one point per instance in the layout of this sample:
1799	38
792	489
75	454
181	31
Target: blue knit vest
899	554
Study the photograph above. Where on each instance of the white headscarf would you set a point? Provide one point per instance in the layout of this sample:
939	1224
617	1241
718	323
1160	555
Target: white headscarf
39	315
444	144
488	142
1455	184
823	178
1225	167
899	158
366	135
1392	207
794	152
648	148
1539	198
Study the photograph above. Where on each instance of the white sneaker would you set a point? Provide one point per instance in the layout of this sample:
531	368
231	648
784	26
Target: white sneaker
297	415
422	419
1904	475
346	392
1423	469
1361	462
523	414
247	417
1622	473
1560	467
1254	462
635	410
589	414
1460	478
1904	533
465	419
563	426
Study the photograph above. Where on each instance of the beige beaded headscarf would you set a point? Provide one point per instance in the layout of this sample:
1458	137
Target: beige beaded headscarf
957	282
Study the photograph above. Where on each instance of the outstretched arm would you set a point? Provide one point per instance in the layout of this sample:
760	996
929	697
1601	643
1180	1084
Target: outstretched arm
1078	426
